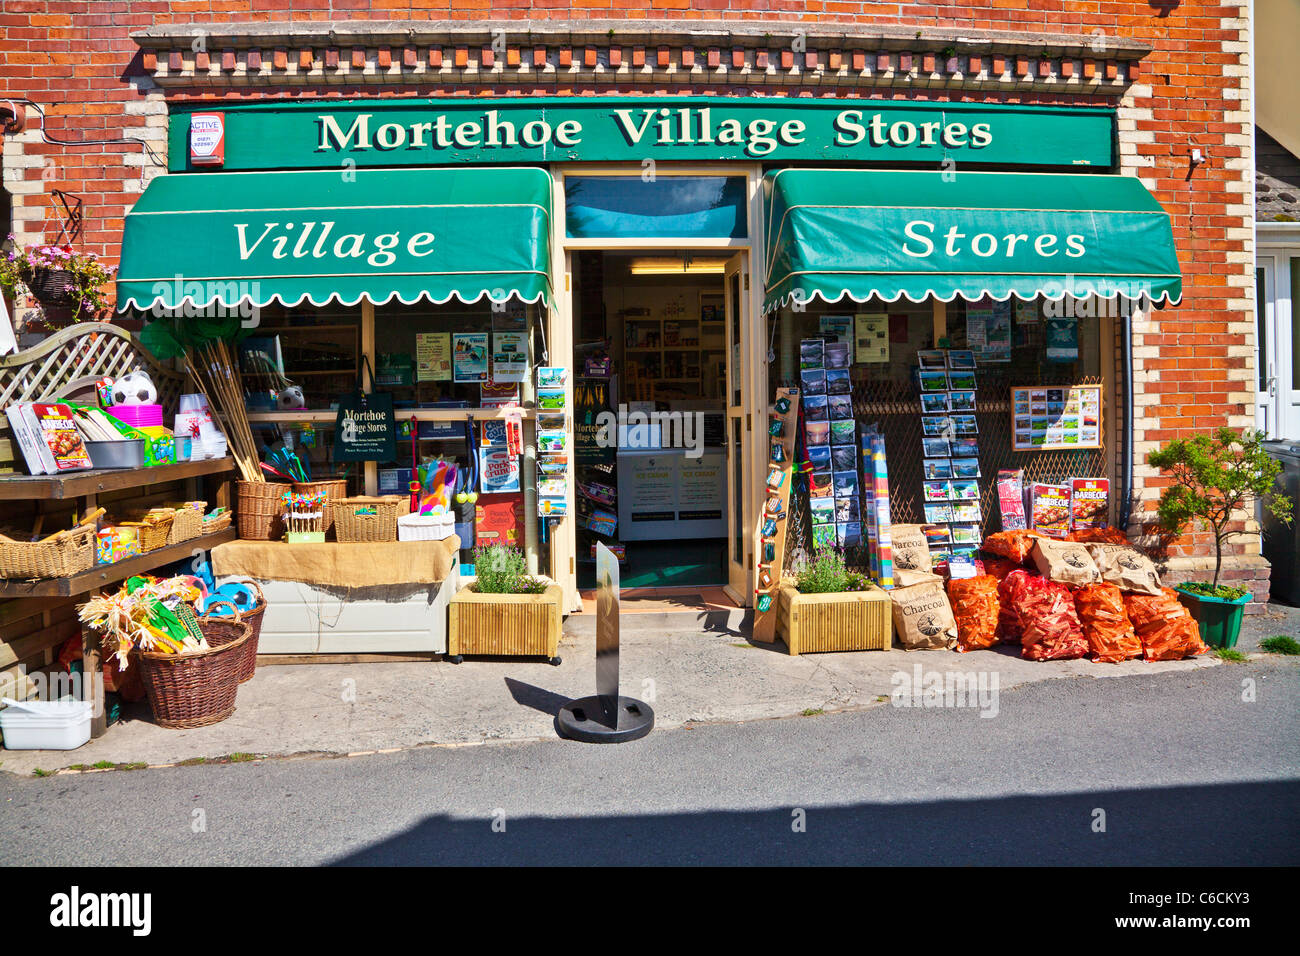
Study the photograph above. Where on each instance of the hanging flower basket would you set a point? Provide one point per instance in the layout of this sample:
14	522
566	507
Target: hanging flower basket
58	276
53	287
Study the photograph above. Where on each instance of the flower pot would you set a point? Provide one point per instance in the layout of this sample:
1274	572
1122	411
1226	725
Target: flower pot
505	625
840	621
52	286
1218	619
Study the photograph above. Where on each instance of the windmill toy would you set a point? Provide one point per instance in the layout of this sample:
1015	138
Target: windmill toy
304	516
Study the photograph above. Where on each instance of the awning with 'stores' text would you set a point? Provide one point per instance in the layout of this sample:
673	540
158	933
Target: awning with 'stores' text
862	233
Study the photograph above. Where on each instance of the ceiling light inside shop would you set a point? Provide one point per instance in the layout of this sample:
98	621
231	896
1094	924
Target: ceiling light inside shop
677	265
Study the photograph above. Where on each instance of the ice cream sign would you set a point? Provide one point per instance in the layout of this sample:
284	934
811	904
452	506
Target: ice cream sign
208	139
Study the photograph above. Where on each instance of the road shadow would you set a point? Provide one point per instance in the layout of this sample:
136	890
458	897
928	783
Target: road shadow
1244	824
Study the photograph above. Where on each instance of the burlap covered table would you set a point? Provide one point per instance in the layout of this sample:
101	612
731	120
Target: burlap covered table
339	565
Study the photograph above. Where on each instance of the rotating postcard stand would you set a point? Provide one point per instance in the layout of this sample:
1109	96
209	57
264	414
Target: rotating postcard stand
606	718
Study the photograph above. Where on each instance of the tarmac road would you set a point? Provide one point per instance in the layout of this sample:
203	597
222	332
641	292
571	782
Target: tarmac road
1184	771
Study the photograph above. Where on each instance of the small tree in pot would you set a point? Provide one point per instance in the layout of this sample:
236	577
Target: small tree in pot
1216	477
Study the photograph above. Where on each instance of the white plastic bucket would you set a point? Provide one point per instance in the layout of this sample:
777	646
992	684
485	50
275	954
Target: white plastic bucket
45	724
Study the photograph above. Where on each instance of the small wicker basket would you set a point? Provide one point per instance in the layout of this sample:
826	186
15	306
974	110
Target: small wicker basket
60	555
214	523
259	510
152	528
187	524
368	519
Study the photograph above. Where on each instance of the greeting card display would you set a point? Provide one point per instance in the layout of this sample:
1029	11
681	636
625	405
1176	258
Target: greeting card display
782	427
829	421
949	443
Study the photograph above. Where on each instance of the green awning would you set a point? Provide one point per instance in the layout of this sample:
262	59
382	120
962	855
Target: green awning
832	233
345	234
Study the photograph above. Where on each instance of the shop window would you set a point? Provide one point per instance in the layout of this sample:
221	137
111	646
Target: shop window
1025	347
300	362
685	207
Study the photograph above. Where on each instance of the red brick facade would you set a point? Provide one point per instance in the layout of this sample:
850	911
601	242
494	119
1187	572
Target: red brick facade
95	83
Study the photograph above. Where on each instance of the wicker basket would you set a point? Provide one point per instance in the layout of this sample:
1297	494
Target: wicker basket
187	523
52	286
253	618
153	529
351	526
334	489
258	509
214	523
196	688
60	555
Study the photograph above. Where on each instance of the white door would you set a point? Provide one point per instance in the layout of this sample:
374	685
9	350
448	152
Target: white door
739	565
1277	286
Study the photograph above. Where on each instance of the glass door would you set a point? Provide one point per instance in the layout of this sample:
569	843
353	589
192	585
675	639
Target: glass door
739	565
1266	404
1277	284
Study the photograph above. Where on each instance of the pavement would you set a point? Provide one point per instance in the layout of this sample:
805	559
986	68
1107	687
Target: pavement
689	677
1194	766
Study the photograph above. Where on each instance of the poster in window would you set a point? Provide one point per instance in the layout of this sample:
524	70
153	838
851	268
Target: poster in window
470	356
1055	417
433	356
509	357
871	338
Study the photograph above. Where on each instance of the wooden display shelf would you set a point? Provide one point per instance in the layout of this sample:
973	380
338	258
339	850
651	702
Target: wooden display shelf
105	574
99	480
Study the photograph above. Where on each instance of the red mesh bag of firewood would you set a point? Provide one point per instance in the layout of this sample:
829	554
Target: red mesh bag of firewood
1050	629
999	567
1098	536
1105	623
1009	629
1015	545
1166	628
975	605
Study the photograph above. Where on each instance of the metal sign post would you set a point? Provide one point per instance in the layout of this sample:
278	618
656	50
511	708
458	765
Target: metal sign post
606	718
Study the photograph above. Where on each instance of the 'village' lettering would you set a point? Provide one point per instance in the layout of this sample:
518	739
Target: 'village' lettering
647	127
376	250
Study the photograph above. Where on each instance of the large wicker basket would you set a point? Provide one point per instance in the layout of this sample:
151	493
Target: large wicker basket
258	509
368	519
196	688
60	555
334	489
253	618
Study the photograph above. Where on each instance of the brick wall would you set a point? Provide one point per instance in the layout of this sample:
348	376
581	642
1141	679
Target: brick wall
1194	361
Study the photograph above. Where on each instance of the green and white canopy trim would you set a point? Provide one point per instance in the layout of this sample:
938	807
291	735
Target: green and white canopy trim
856	234
205	239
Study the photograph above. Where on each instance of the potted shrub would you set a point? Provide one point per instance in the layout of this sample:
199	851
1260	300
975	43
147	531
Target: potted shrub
506	611
57	276
1215	478
827	606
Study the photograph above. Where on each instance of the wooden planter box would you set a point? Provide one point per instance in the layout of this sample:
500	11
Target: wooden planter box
505	625
848	621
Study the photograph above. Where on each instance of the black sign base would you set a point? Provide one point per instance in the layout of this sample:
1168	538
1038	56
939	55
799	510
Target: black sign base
581	720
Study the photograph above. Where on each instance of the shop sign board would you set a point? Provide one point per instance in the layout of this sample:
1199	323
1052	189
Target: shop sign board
429	132
207	139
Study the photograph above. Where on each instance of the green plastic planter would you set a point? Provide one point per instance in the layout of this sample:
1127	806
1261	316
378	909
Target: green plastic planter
1218	619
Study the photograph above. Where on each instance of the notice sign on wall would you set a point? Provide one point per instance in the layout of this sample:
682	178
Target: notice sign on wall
208	139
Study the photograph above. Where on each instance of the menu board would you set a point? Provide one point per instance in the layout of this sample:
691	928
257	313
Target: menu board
1055	417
